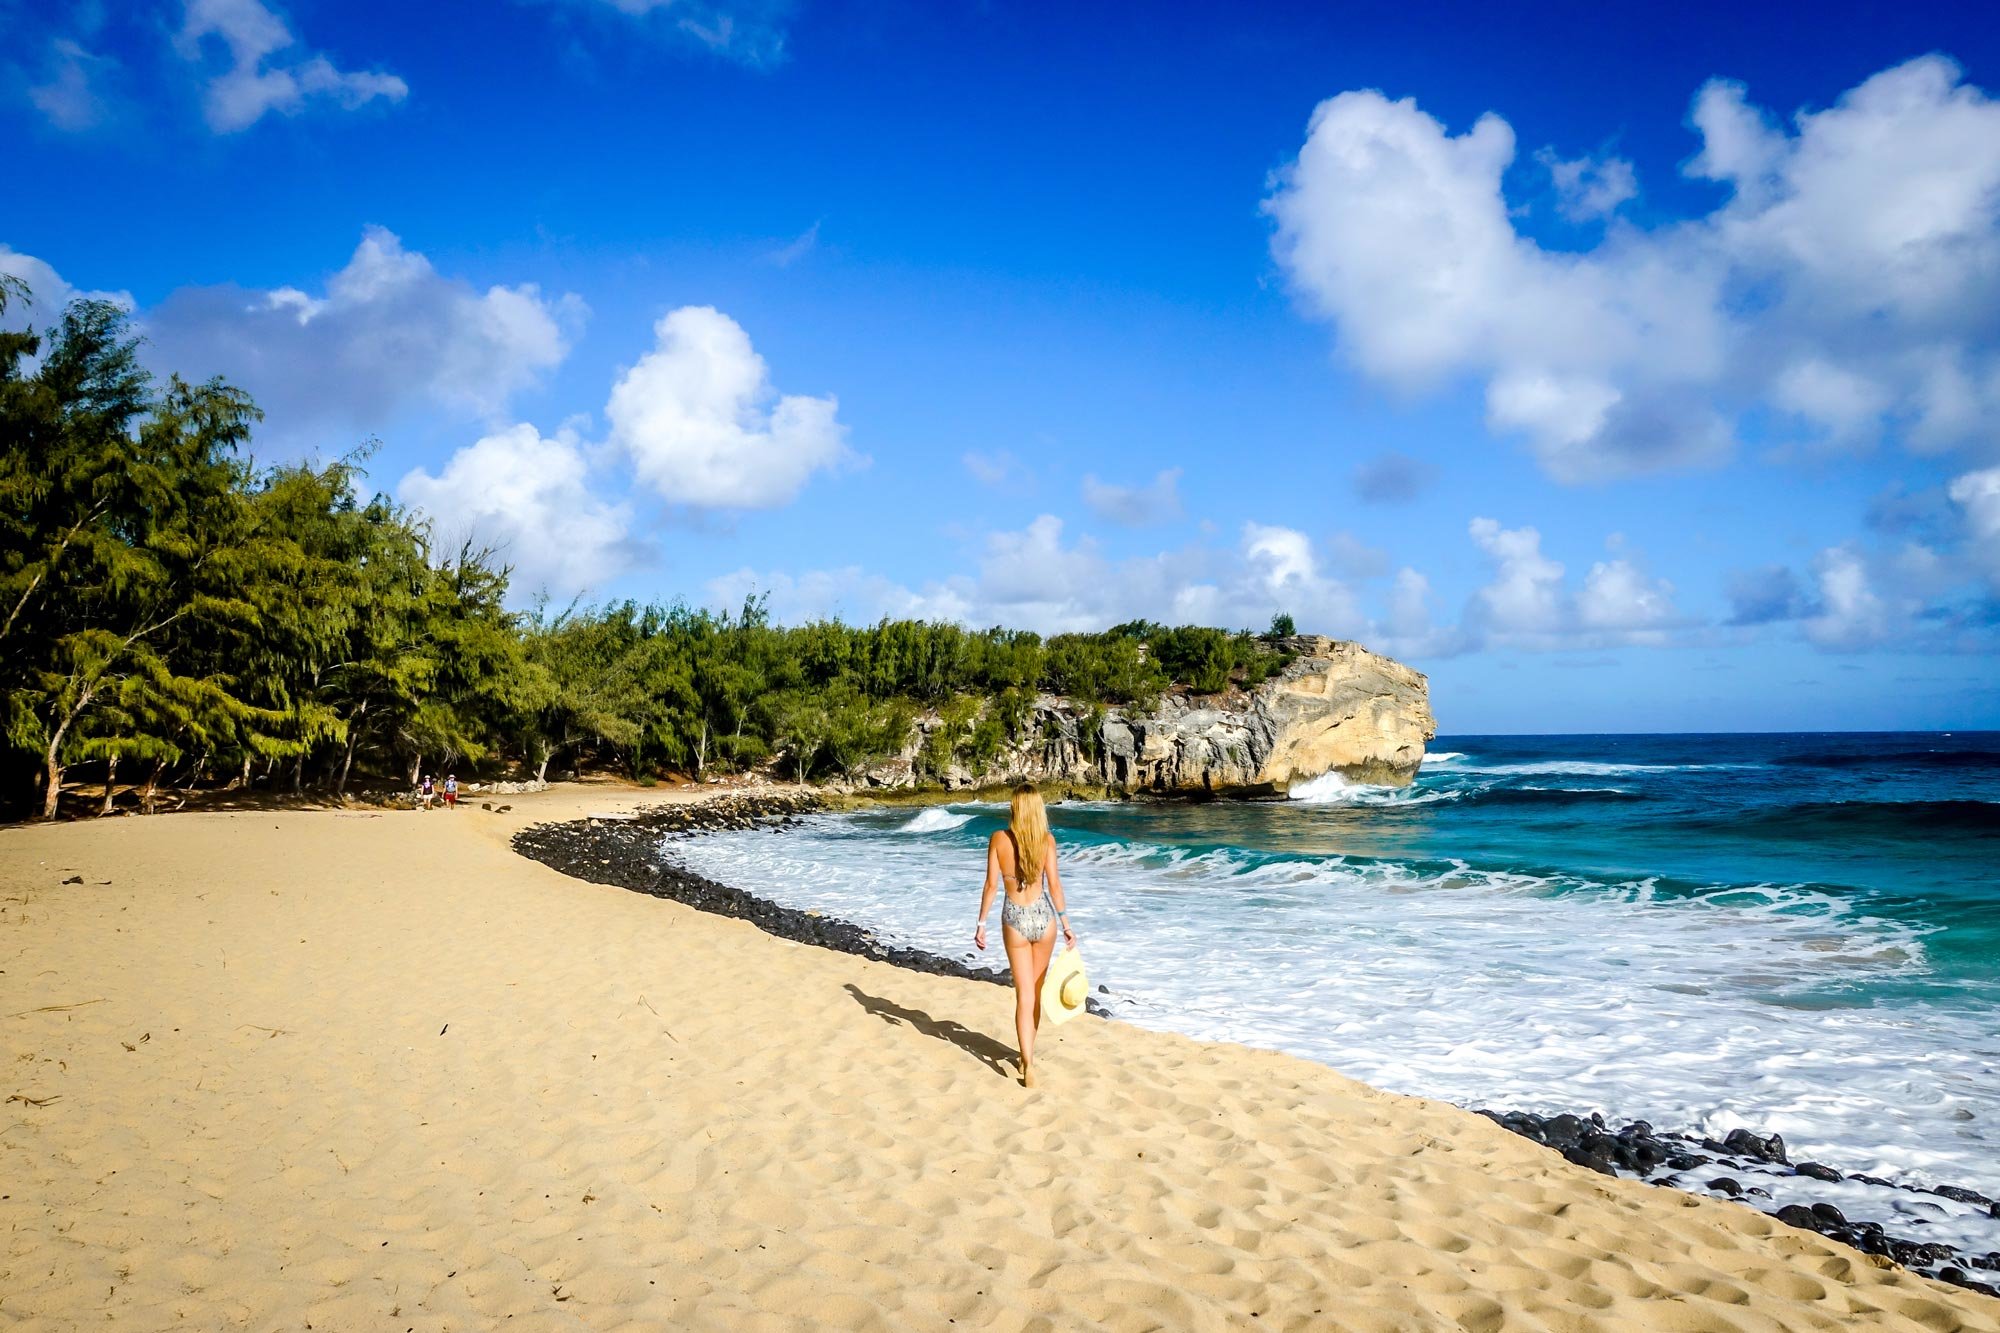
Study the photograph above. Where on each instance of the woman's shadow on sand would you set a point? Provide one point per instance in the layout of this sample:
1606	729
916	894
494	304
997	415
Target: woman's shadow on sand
995	1056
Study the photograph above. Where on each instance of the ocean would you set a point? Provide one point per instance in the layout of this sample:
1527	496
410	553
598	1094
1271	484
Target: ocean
1796	933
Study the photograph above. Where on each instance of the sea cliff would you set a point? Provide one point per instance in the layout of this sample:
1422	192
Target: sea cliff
1334	708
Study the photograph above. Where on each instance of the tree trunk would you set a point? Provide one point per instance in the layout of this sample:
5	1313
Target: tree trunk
701	752
416	768
346	767
110	782
244	781
542	769
353	740
52	779
151	788
52	762
298	773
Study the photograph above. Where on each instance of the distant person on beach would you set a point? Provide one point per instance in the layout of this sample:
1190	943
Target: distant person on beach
1022	858
426	792
450	790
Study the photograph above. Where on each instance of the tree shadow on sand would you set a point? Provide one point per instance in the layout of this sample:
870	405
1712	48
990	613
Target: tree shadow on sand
994	1055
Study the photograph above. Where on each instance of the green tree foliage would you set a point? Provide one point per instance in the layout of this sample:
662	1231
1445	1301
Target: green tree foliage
172	614
164	602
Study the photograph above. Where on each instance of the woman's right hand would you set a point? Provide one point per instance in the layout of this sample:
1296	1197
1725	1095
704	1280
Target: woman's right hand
979	937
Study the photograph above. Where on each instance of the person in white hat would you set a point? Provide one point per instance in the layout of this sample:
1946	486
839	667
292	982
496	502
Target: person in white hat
1022	859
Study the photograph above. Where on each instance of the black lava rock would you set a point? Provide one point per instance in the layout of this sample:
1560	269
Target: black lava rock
1798	1215
1594	1161
1745	1144
626	853
1816	1171
1562	1132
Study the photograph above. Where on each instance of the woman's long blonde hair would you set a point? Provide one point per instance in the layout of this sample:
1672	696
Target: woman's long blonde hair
1029	823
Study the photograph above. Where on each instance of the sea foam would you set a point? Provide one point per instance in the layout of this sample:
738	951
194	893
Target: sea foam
937	819
1699	1009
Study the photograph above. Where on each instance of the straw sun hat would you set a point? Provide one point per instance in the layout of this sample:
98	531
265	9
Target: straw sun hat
1064	987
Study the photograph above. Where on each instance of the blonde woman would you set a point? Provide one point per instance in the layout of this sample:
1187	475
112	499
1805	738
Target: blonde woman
1021	859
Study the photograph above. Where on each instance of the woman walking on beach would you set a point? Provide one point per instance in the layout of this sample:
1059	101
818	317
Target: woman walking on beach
1022	859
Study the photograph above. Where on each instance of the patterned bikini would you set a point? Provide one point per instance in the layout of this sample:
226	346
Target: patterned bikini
1032	920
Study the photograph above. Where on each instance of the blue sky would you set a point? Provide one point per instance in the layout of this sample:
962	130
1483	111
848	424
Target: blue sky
1623	372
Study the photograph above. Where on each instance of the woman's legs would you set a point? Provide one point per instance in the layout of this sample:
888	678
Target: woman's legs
1045	952
1027	997
1030	962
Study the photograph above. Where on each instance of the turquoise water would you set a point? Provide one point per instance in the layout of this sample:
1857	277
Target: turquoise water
1903	826
1793	932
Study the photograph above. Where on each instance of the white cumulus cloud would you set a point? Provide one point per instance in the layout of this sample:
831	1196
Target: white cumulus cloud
1977	494
1525	596
702	426
1041	578
1847	405
848	593
696	422
48	291
1850	612
528	499
1285	573
1044	578
1618	595
389	333
267	70
1851	280
1527	603
1409	604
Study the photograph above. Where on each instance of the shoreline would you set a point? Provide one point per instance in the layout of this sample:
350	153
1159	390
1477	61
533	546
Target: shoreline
623	851
626	852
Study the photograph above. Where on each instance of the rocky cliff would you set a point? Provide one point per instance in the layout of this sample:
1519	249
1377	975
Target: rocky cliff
1335	708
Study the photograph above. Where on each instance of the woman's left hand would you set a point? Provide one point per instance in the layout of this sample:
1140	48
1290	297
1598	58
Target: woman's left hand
1069	936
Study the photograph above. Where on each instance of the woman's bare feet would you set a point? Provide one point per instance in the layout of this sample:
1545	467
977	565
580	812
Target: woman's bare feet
1027	1075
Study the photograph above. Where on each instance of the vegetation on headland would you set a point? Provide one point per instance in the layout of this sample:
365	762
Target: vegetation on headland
172	613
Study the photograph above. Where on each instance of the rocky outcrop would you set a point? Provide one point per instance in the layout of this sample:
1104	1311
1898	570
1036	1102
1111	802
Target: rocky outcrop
1334	708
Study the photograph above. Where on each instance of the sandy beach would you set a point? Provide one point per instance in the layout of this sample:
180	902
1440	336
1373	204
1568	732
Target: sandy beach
373	1070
